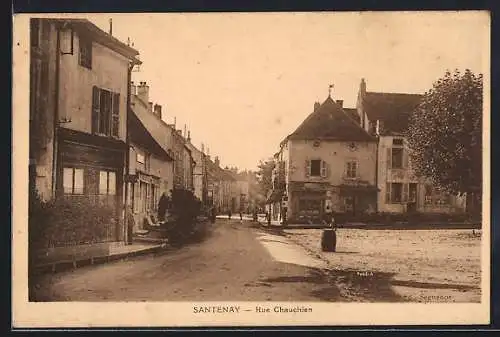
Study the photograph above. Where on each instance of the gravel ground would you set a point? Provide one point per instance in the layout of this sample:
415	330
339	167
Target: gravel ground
424	265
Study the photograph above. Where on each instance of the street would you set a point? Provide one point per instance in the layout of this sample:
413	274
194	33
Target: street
235	263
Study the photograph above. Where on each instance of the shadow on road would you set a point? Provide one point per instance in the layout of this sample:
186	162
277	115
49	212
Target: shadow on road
346	286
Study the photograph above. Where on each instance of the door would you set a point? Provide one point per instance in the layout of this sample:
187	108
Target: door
412	197
350	204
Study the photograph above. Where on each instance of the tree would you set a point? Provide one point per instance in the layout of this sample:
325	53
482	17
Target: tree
264	175
445	135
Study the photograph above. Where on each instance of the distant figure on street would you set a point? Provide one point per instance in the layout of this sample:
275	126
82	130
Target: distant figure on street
241	216
162	207
328	217
212	214
229	214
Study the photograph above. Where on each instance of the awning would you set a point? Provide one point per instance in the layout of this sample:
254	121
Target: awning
351	189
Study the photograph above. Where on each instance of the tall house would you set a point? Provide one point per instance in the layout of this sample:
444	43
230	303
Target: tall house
386	116
78	115
199	171
329	160
151	158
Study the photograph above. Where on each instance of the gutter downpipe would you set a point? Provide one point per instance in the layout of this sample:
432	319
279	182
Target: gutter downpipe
127	239
55	140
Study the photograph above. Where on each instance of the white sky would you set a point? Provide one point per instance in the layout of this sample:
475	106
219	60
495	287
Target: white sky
242	82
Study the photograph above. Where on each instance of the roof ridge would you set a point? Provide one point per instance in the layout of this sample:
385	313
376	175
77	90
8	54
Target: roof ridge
393	93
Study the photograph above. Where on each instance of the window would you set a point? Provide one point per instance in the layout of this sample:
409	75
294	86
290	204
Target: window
397	158
107	183
316	168
394	193
85	53
105	112
140	158
397	142
147	162
351	169
72	180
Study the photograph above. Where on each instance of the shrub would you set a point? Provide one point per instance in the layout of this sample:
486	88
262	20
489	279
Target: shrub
65	222
185	208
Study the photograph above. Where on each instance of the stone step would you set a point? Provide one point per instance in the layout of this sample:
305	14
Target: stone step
146	239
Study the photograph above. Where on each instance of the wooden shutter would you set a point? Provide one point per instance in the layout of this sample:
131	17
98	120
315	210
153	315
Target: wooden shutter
115	115
323	169
308	168
405	192
389	158
96	104
405	158
388	193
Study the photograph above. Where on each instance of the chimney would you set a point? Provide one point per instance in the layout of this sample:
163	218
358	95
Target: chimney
110	26
316	106
150	104
340	102
133	88
143	92
189	136
216	161
157	110
362	86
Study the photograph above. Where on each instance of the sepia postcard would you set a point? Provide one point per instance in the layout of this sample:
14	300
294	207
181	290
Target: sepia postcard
251	169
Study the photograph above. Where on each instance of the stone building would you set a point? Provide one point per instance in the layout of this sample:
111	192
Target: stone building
78	114
328	160
386	116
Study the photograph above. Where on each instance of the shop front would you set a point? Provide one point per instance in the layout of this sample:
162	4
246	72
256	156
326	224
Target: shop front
90	171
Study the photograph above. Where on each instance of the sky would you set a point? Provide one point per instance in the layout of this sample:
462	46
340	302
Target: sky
242	82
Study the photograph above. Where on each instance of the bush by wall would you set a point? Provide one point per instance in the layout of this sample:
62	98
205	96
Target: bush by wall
66	222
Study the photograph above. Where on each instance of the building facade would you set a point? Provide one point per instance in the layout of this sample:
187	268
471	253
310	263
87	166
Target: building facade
329	161
386	116
151	162
80	77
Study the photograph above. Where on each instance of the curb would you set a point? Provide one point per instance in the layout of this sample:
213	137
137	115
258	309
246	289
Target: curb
54	267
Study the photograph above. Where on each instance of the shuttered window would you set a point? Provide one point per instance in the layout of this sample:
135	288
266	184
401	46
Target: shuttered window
324	169
105	112
316	168
115	117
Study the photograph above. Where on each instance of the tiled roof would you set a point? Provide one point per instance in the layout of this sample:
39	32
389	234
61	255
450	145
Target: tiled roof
329	121
353	113
392	108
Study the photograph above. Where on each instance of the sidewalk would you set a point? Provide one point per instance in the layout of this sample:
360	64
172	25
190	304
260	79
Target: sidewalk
62	258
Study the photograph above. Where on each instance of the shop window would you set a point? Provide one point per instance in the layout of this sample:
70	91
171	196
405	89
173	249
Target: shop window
107	183
73	180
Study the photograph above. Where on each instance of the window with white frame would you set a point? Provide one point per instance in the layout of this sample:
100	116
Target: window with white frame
351	169
107	183
73	182
316	168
